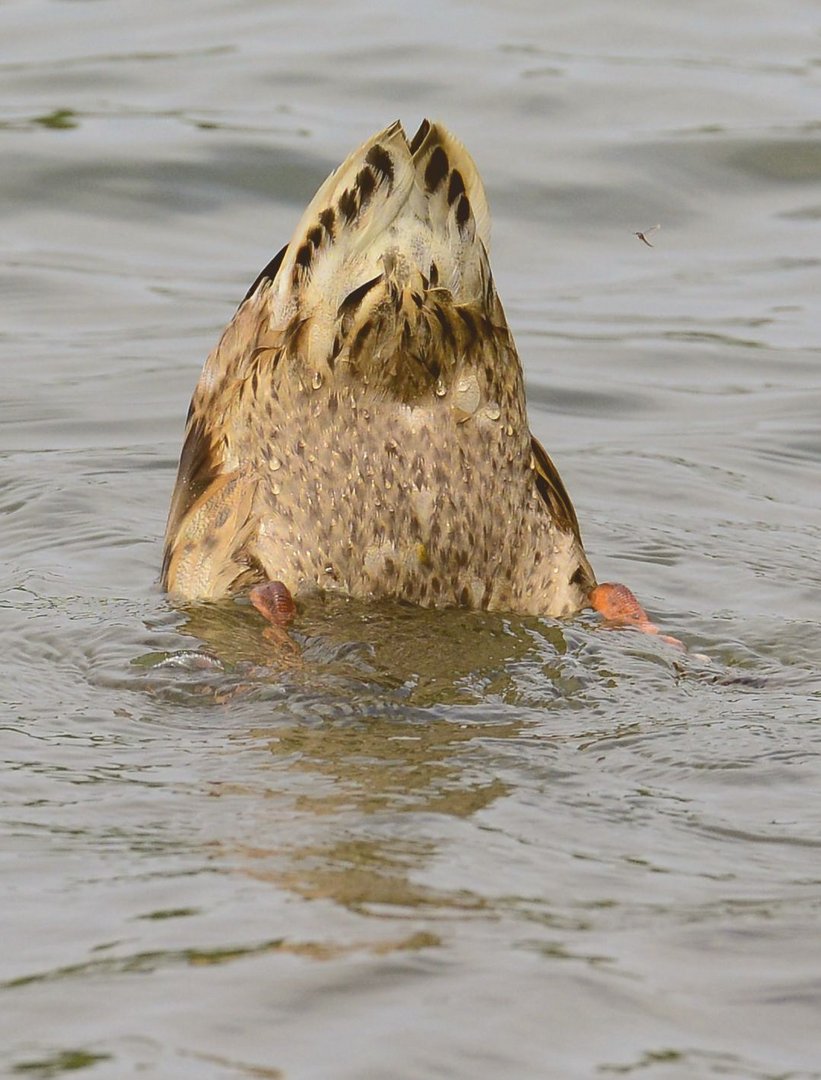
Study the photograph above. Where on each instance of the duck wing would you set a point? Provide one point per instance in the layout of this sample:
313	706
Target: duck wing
552	490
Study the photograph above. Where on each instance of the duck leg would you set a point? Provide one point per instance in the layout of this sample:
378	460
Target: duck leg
274	602
619	606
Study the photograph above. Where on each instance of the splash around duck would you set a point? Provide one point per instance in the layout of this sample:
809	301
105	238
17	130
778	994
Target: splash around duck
361	425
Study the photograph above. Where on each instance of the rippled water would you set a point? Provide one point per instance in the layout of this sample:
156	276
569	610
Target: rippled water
440	844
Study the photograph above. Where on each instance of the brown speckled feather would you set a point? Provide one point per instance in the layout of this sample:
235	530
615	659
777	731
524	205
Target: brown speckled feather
361	425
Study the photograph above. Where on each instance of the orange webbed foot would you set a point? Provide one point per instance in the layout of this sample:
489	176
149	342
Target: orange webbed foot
619	606
274	602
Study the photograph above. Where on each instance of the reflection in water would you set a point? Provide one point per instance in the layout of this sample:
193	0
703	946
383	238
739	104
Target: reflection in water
384	700
396	725
361	778
419	657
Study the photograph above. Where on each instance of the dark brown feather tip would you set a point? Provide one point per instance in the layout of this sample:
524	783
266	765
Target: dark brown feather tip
380	159
437	169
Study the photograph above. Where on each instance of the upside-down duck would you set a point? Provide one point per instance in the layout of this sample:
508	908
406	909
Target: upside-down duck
361	424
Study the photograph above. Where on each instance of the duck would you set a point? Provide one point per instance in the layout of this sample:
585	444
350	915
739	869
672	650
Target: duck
361	426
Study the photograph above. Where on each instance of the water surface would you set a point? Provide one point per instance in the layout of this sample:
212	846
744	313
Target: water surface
444	844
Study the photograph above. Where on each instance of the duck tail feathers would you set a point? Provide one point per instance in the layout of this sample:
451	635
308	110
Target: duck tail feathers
394	207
